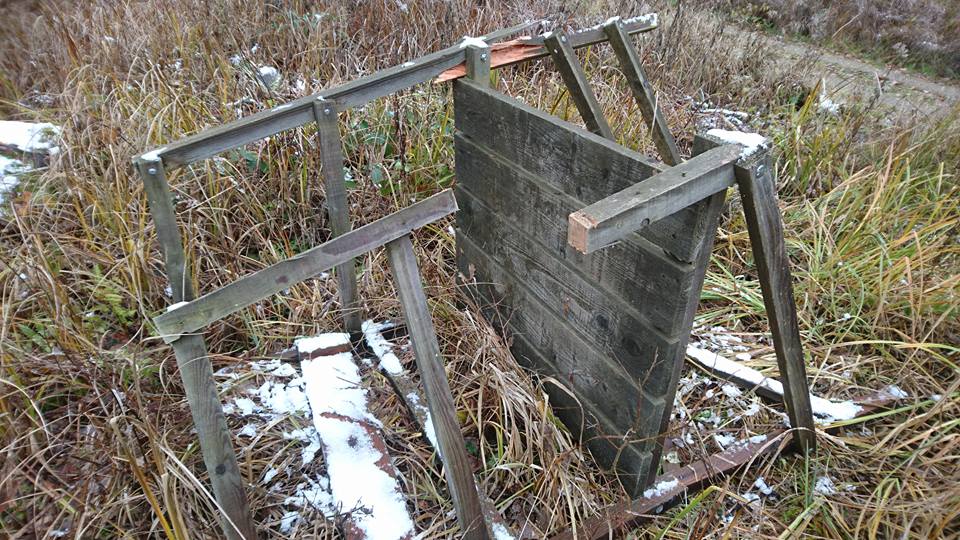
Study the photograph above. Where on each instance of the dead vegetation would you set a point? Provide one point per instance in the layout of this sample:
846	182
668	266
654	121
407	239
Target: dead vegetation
96	436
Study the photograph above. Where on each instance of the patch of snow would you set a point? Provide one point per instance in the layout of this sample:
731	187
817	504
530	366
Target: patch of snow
731	390
428	429
269	75
333	385
724	439
751	142
743	357
36	137
168	291
408	64
246	406
649	18
662	487
269	475
762	486
501	533
322	341
249	430
389	362
826	411
825	486
178	305
153	155
895	391
936	397
469	41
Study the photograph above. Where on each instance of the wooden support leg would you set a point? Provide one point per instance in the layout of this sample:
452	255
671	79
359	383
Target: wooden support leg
758	193
338	210
576	80
478	64
457	468
643	92
195	369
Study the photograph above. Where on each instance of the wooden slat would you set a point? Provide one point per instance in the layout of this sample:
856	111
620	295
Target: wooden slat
213	306
459	474
633	270
758	193
338	209
165	222
214	436
643	92
577	84
300	111
478	64
611	219
563	155
194	365
531	48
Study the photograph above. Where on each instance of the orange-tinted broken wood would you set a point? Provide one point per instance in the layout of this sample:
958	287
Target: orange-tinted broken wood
501	54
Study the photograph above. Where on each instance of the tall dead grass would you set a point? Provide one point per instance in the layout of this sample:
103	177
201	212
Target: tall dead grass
95	432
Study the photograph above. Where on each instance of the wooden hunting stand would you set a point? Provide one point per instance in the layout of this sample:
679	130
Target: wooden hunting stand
589	255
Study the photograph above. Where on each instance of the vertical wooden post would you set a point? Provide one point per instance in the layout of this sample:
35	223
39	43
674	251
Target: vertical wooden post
643	92
194	365
576	80
758	193
478	64
456	466
338	209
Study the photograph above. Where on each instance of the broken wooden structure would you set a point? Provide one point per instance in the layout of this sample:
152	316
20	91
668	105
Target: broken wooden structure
589	255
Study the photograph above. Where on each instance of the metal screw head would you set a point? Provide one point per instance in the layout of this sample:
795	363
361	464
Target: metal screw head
327	110
563	38
152	171
483	56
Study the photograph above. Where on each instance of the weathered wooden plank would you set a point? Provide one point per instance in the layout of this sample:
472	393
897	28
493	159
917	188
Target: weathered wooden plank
634	270
643	92
562	155
213	306
758	192
214	436
338	209
577	84
160	201
300	111
611	410
530	48
403	264
611	219
610	321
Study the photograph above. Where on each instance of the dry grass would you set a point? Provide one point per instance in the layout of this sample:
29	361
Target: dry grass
95	433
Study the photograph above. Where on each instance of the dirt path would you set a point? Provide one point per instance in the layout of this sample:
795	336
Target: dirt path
848	77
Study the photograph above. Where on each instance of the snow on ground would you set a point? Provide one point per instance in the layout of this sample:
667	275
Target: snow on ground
329	389
23	137
751	142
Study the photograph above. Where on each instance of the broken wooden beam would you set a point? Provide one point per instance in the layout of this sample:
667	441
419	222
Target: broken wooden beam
192	316
625	212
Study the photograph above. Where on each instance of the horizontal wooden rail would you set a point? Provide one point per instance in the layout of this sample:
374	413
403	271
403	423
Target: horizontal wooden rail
611	219
192	316
299	112
531	48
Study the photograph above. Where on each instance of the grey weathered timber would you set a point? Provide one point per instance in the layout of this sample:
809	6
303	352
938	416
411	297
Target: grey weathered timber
213	306
352	94
643	92
403	264
338	209
194	365
609	220
562	155
576	81
478	64
610	326
165	222
214	436
757	187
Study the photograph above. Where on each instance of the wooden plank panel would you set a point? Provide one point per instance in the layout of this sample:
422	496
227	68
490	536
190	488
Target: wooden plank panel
453	450
611	409
563	155
629	210
213	306
634	270
607	320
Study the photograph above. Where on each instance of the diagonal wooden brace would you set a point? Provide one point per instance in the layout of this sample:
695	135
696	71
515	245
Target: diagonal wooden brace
613	218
